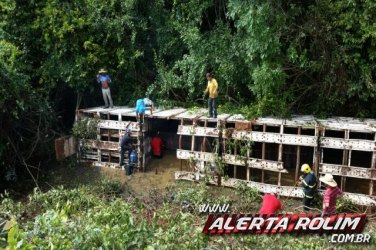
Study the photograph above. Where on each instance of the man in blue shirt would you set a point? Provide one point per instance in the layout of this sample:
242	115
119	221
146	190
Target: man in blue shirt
141	106
104	80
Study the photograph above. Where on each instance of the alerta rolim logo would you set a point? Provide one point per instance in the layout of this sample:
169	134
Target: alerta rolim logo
341	227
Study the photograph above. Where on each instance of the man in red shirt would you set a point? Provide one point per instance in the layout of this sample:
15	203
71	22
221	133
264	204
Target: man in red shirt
270	204
156	146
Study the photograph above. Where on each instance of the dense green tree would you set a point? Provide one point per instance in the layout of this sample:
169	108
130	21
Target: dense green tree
269	57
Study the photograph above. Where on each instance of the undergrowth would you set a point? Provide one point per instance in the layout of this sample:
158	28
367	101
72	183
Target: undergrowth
109	216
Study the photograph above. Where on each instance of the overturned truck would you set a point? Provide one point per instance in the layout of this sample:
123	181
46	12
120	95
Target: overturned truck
265	153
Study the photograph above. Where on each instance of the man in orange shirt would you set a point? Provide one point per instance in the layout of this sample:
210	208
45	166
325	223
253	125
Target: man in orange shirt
212	88
156	146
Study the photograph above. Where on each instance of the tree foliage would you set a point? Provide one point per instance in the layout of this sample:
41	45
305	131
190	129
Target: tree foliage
269	57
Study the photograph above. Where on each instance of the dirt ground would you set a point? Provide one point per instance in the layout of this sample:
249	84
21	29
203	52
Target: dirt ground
158	175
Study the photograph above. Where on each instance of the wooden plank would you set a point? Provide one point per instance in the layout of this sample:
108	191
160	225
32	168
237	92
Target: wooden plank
348	144
288	191
348	171
195	155
121	111
297	166
262	153
203	143
64	147
236	157
198	131
180	144
110	124
354	125
256	136
280	153
235	118
288	139
99	110
345	158
249	147
274	166
99	155
188	115
92	157
295	121
220	117
373	166
106	164
168	114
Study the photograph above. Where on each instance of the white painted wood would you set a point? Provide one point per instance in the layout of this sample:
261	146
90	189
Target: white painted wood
198	131
348	171
194	155
168	114
288	139
110	124
274	166
189	115
348	144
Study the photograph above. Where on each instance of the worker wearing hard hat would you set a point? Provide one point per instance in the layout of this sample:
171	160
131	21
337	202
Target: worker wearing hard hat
309	183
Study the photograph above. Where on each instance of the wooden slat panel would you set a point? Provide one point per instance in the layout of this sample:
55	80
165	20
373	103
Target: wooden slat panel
302	140
197	131
290	191
349	144
106	164
341	170
353	124
288	139
202	156
106	145
110	124
255	163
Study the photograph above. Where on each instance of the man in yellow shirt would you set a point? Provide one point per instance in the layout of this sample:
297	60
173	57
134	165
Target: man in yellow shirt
213	95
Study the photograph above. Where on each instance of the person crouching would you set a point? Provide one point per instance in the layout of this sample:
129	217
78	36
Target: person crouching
270	204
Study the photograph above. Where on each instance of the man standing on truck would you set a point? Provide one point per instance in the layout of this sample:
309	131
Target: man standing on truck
212	88
104	80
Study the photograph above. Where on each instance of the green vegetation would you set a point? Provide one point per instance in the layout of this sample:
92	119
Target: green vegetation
107	216
85	128
269	57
